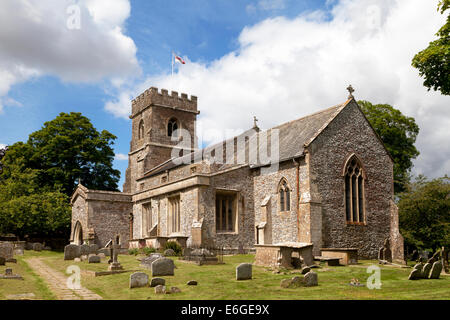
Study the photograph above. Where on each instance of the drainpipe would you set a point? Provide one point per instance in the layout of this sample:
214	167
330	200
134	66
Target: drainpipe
297	164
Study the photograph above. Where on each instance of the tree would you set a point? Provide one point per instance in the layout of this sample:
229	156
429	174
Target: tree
39	176
69	148
424	213
433	63
398	134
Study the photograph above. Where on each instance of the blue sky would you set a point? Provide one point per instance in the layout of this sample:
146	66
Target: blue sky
299	53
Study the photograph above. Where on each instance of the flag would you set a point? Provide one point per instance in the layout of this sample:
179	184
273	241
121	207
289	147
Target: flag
179	59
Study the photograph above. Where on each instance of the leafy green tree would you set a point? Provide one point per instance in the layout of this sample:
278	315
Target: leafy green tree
69	148
424	213
398	133
433	63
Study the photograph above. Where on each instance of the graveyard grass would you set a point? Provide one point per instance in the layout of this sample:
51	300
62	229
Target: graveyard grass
32	283
216	282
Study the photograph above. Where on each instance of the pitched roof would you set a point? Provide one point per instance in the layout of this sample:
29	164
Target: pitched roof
294	137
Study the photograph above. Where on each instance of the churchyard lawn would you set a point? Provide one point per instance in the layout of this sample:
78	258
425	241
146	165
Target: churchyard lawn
218	281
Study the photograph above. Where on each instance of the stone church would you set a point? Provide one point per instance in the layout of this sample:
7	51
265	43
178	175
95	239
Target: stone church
332	187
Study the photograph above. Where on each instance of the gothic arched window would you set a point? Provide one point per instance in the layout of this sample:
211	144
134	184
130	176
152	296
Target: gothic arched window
354	191
141	129
284	196
172	127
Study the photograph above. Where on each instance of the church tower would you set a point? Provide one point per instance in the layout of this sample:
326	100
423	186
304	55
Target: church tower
155	118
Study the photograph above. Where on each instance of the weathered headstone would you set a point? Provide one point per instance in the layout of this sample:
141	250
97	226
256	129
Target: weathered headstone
84	249
296	282
28	246
77	260
101	255
84	257
311	279
94	259
160	289
244	271
169	253
286	283
37	246
8	272
417	272
436	270
6	250
192	283
93	249
163	267
157	282
105	251
138	280
426	270
2	261
147	262
71	251
385	253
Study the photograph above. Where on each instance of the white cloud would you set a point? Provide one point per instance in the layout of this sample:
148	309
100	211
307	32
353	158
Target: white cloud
35	40
266	5
121	157
288	68
2	146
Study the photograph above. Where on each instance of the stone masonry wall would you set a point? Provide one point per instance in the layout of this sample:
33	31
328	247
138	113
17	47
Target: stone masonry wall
79	213
349	133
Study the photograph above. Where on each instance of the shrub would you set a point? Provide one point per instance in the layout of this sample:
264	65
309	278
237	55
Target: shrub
132	252
175	246
148	251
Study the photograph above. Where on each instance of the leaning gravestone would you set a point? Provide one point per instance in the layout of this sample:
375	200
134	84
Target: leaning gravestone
94	259
244	271
415	274
163	267
6	250
138	280
436	270
84	249
426	270
37	246
147	262
71	251
160	289
311	279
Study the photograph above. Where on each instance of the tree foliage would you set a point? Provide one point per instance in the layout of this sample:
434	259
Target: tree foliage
39	176
398	133
424	213
433	63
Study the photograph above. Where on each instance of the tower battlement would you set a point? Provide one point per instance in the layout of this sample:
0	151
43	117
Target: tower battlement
162	98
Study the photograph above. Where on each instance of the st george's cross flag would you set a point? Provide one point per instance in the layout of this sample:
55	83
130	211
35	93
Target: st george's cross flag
179	59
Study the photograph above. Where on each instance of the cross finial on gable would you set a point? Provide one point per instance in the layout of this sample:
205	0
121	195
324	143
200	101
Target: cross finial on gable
350	90
255	125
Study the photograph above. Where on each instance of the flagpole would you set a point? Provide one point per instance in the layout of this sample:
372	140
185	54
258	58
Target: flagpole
172	63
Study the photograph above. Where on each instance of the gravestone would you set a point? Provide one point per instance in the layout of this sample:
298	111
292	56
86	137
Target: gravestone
160	289
138	280
84	249
305	270
84	257
147	262
436	270
37	246
93	249
6	250
163	267
296	282
105	251
169	253
426	270
157	282
94	259
28	246
417	272
244	271
77	260
385	253
311	279
285	283
71	252
192	283
2	261
101	255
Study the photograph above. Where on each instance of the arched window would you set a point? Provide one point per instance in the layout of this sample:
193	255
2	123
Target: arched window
354	191
284	196
141	129
172	127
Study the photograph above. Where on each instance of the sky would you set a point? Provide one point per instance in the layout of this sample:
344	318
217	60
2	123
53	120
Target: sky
277	60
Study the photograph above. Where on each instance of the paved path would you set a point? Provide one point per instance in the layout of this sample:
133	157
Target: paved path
57	282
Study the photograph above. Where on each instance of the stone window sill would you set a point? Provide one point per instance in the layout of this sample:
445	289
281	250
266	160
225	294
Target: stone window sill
356	223
226	232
